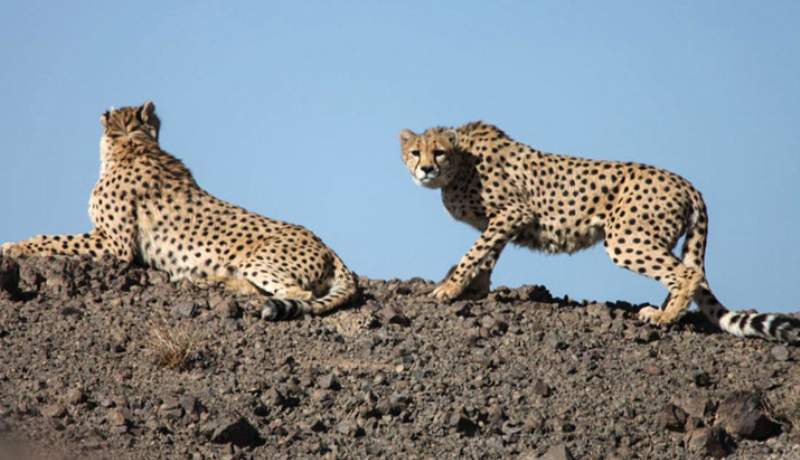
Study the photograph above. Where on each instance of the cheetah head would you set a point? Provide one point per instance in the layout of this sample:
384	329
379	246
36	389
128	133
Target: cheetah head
128	123
431	157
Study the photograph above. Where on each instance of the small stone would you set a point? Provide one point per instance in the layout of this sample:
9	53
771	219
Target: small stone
541	388
647	335
117	417
559	452
238	432
709	442
672	418
463	424
156	278
780	353
225	307
349	428
189	404
555	342
75	396
171	408
652	370
391	315
186	309
53	411
701	378
328	382
693	423
698	406
744	415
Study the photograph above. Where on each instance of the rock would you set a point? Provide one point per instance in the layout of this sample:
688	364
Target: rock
697	406
75	396
393	405
463	424
693	423
186	309
652	370
189	404
391	315
171	408
780	353
9	278
701	378
559	452
328	382
709	442
555	343
225	307
348	428
541	388
671	417
744	415
238	432
117	417
155	277
53	411
646	335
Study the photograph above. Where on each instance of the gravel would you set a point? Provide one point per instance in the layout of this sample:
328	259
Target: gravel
103	360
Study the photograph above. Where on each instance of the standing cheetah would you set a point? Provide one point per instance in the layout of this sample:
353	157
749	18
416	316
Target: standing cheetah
147	205
556	203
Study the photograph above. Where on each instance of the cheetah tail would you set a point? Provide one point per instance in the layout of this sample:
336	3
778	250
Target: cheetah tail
770	326
343	288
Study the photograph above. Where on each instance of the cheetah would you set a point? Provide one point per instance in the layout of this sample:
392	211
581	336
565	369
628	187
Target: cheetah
562	204
146	206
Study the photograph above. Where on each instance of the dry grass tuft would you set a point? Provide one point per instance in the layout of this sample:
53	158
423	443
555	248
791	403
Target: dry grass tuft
172	347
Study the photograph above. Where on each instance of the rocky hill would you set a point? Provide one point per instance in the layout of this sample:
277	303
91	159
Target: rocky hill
107	361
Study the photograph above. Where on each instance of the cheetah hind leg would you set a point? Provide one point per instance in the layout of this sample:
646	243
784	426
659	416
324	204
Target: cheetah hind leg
683	283
660	264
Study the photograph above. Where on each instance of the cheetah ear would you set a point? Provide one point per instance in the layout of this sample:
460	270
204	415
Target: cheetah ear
147	110
407	136
452	137
104	118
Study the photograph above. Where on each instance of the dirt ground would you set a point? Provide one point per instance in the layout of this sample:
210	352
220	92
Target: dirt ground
100	360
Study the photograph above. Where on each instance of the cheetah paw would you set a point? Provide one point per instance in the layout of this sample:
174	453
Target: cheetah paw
446	291
650	315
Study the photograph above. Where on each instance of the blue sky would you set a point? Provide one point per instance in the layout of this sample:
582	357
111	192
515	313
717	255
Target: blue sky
292	109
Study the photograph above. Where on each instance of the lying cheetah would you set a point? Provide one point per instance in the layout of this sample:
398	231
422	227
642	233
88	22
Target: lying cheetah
556	203
147	205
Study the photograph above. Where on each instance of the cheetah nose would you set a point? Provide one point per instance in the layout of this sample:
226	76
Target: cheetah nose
426	169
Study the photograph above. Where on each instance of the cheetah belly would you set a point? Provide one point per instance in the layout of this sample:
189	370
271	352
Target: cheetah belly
556	237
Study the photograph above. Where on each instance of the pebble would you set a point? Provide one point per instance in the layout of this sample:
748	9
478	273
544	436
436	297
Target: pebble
780	353
53	411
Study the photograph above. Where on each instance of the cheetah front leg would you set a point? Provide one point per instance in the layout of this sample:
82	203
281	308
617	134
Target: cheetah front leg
482	256
94	244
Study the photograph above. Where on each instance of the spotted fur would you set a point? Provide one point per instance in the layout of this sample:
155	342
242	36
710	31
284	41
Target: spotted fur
556	203
146	205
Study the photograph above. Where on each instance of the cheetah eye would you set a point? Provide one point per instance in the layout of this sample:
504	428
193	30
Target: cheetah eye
415	153
438	153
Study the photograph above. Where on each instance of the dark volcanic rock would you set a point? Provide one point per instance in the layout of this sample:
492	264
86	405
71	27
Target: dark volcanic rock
237	431
671	417
559	452
744	415
709	442
394	375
